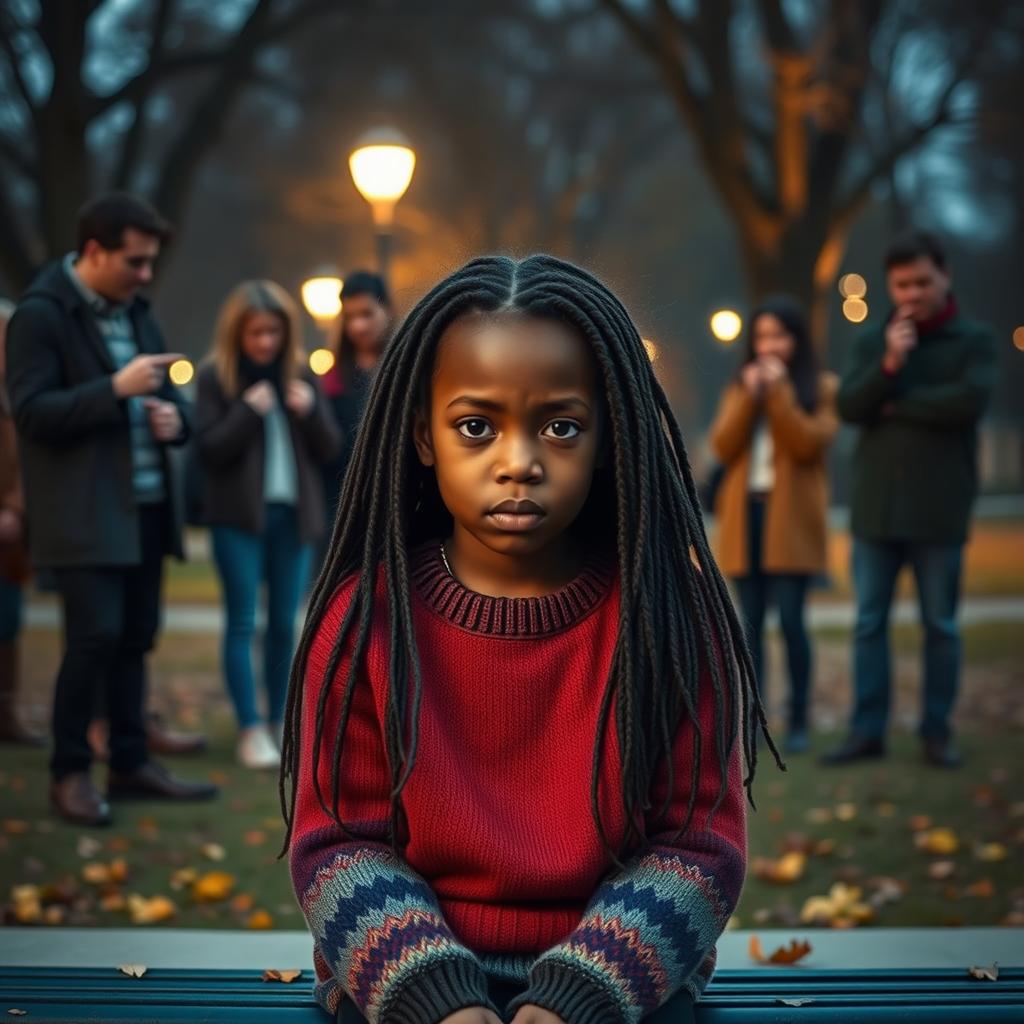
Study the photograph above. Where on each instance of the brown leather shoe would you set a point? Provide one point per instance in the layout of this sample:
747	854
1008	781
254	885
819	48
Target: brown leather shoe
170	742
154	782
77	800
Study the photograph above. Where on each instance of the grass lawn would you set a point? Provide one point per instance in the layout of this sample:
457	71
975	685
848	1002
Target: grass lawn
924	847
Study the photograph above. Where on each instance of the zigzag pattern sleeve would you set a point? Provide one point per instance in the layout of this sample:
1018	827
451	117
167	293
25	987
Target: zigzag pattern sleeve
650	930
380	938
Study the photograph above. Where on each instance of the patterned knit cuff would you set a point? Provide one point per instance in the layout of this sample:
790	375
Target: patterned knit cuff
570	995
426	997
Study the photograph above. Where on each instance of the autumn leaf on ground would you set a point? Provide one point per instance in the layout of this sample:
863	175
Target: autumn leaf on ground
846	812
919	822
88	847
791	954
243	902
255	837
132	970
213	851
259	921
150	911
841	908
991	852
983	889
285	976
787	869
942	841
27	906
213	886
15	827
183	878
941	869
984	973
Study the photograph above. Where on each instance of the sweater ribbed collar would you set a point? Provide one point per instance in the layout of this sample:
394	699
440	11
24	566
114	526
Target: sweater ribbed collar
520	617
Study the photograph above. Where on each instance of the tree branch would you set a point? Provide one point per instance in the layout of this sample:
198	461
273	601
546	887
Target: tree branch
9	26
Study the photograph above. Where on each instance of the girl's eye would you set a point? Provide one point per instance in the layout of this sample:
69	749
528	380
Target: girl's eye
563	430
475	430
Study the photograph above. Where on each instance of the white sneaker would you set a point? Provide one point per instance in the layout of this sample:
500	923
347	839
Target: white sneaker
256	749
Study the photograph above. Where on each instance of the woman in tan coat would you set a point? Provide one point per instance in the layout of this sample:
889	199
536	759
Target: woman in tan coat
772	432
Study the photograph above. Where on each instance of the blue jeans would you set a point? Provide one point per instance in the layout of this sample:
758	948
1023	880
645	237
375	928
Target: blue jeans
876	566
756	590
244	560
10	610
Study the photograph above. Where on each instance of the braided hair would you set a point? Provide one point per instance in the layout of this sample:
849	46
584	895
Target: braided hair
677	623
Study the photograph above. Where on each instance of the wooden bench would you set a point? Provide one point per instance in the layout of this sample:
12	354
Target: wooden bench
762	995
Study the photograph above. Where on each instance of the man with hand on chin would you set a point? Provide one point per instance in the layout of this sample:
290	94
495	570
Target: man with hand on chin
94	411
916	387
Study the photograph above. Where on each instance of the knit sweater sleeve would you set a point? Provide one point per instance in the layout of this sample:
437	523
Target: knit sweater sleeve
379	935
650	929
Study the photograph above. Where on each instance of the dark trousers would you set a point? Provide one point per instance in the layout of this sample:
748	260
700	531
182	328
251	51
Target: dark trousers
111	615
876	566
678	1010
756	591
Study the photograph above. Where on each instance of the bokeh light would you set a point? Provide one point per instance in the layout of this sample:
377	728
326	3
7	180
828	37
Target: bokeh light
726	325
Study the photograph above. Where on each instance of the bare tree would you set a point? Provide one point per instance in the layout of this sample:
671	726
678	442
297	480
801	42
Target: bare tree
66	129
795	116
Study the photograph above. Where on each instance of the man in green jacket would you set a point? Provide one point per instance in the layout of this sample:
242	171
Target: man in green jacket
916	387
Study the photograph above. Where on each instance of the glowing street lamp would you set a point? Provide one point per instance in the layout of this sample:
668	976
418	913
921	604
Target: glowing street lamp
322	298
321	361
852	286
855	309
726	325
181	372
382	165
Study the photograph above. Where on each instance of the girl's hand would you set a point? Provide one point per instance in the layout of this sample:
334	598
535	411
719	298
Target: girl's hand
300	398
472	1015
529	1014
772	369
260	397
752	379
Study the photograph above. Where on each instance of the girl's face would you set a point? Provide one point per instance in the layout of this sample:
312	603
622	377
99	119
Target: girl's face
512	433
263	337
364	322
772	339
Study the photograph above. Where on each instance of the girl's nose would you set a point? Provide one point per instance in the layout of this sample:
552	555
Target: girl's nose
518	462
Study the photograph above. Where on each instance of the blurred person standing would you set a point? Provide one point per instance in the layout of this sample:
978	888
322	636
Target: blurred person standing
14	565
772	432
94	414
366	322
262	431
916	386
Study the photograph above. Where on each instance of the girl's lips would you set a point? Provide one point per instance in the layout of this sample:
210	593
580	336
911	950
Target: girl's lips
516	522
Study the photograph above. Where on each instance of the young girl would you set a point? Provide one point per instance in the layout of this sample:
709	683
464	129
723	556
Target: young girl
366	317
262	432
772	433
511	774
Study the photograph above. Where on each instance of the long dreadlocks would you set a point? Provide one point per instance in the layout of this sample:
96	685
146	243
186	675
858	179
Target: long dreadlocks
676	618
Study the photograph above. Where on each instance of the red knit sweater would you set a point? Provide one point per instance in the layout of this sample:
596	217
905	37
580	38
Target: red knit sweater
504	871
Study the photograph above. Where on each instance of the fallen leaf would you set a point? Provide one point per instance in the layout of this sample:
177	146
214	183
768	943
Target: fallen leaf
983	889
243	902
112	901
259	921
255	837
991	852
150	911
213	886
942	841
886	810
88	847
941	869
846	812
787	869
15	827
919	822
54	915
791	954
984	973
285	976
213	851
132	970
841	908
819	815
183	878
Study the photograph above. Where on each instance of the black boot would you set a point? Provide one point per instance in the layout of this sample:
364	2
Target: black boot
855	748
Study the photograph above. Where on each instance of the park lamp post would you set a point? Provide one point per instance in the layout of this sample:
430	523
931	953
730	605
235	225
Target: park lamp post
382	164
321	295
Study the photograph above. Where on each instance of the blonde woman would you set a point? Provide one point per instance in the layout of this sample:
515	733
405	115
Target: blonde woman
262	432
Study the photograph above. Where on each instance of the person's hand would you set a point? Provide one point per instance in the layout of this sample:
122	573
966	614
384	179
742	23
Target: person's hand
900	338
530	1014
752	378
472	1015
773	369
11	526
164	419
143	375
260	397
300	398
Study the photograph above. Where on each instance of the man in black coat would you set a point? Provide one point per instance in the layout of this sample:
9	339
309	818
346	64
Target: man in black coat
87	375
